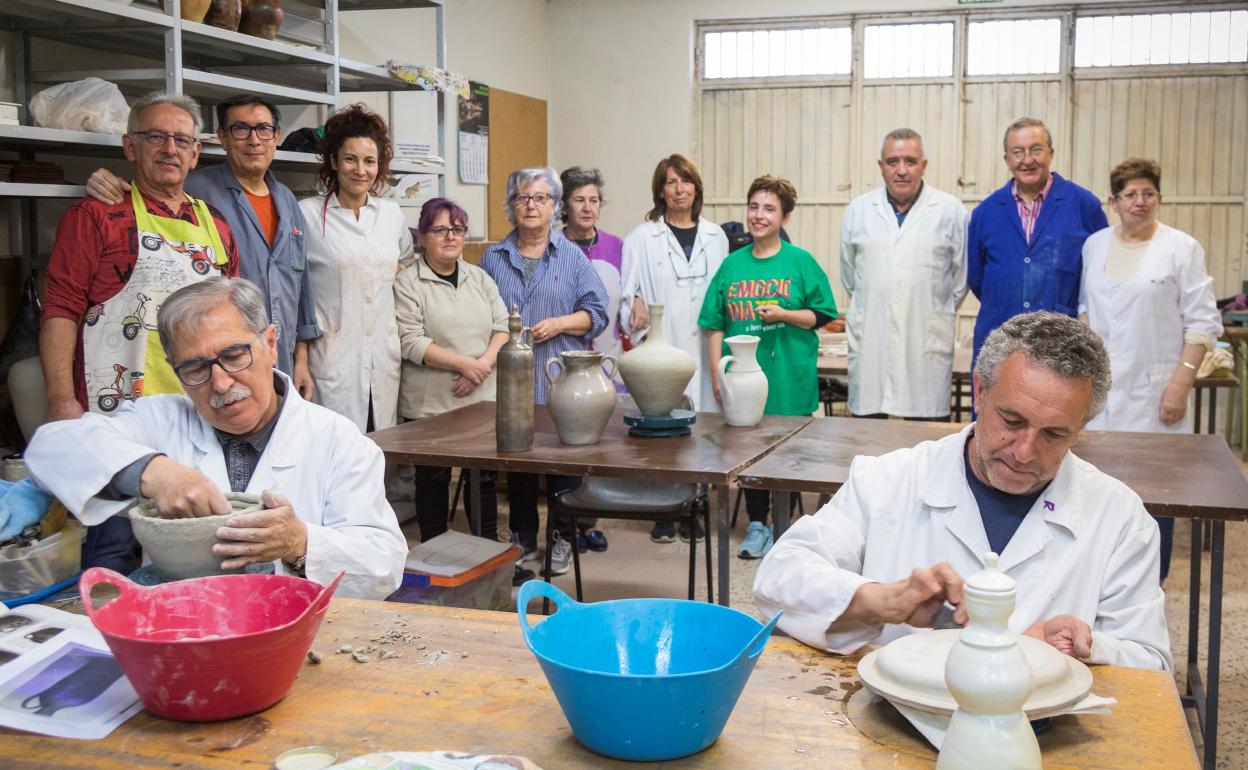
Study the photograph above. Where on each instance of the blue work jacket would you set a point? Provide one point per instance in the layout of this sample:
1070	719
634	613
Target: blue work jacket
281	270
1010	275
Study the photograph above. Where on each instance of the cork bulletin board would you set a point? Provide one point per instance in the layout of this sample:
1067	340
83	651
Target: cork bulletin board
517	140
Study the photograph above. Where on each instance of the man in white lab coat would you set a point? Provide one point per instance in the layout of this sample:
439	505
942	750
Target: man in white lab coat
889	551
903	262
241	427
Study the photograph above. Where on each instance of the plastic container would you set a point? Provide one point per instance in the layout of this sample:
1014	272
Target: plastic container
645	680
53	560
207	648
484	587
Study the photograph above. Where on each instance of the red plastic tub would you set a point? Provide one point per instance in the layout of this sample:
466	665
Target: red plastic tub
207	648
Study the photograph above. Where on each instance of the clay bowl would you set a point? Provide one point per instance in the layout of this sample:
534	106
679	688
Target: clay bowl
182	548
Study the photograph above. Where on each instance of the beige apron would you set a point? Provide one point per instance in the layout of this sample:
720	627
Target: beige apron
121	350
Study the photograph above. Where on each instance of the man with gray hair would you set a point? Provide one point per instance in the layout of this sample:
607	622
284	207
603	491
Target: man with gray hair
111	268
903	262
889	552
242	427
1024	246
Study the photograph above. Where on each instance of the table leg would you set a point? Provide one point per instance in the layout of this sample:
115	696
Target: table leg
780	502
1215	644
1213	412
474	501
721	504
1200	399
1193	603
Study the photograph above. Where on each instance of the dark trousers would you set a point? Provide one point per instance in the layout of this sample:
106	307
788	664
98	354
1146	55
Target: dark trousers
111	545
433	501
758	504
522	489
1166	525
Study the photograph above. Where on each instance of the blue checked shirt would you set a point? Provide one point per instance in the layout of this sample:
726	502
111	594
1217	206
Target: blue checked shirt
564	283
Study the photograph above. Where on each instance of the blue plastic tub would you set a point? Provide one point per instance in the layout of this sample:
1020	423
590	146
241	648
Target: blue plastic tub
643	679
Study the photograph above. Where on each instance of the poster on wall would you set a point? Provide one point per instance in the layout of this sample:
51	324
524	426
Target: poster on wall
474	134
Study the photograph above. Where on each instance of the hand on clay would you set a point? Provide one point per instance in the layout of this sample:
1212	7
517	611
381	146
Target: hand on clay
1067	633
263	536
916	600
179	491
106	187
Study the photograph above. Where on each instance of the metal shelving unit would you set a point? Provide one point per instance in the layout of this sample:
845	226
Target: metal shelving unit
303	67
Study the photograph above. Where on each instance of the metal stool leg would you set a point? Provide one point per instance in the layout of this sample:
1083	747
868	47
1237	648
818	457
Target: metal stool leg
459	489
546	572
576	562
705	507
691	516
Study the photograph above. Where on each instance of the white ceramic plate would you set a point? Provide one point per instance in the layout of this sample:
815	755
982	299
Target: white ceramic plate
911	671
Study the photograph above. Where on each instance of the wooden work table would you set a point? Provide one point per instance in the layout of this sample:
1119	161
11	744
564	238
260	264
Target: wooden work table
477	688
714	454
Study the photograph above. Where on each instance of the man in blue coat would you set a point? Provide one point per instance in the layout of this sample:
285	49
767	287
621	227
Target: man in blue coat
1025	242
265	219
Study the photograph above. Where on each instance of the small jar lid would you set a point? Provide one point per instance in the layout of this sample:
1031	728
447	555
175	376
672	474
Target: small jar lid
991	579
306	758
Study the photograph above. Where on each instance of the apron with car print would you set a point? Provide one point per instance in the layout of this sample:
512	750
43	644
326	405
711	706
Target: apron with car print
122	355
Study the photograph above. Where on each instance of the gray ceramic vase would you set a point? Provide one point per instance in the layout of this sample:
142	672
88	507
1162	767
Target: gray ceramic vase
182	548
581	397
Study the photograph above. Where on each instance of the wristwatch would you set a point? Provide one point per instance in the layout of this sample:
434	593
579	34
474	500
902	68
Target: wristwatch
298	566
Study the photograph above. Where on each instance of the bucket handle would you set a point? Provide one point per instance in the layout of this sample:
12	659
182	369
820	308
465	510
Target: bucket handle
95	576
755	646
321	603
539	589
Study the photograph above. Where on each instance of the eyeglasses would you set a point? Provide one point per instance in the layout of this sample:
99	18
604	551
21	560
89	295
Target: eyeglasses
160	138
539	199
1035	151
442	232
232	360
263	131
1148	196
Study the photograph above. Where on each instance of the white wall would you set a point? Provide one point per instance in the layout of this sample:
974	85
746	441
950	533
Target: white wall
502	43
622	81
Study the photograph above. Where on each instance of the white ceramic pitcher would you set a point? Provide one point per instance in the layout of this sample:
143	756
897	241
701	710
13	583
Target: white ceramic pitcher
744	389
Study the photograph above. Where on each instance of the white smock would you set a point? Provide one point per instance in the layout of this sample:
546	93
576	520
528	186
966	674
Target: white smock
655	269
905	284
1143	320
1087	548
329	471
353	264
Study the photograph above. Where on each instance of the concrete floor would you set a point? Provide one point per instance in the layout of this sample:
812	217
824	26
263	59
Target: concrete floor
635	567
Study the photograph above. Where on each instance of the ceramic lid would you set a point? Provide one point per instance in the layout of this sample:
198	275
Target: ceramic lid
991	579
911	671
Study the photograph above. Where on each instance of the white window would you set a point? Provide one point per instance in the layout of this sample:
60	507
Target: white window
908	51
1208	37
770	53
1014	47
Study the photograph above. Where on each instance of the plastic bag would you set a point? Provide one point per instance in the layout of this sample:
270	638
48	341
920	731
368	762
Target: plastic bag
83	105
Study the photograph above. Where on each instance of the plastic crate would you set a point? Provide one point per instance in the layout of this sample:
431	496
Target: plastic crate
484	587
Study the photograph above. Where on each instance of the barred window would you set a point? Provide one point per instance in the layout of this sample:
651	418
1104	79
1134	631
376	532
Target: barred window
771	53
1208	37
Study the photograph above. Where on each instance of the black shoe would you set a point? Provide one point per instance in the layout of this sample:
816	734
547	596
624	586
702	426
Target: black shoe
522	576
698	532
663	532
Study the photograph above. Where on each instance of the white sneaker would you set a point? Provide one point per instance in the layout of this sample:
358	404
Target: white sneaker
527	552
560	555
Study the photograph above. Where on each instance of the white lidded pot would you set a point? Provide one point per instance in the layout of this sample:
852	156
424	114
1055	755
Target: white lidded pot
744	389
989	677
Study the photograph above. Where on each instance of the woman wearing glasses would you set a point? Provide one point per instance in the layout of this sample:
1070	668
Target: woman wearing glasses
669	260
357	242
1146	292
562	299
452	323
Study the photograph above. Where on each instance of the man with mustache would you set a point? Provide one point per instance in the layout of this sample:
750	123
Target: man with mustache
111	268
1024	246
888	554
243	427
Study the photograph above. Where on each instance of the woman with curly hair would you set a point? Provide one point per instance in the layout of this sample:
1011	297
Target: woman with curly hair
357	243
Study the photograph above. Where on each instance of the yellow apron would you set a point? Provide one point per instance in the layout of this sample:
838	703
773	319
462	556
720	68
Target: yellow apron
121	350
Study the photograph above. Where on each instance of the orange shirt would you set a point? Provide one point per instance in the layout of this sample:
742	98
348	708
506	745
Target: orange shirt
266	212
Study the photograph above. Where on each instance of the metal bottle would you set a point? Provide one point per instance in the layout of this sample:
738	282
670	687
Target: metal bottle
513	421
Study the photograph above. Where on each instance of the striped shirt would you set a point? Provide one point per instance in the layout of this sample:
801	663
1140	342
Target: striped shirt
563	283
1030	213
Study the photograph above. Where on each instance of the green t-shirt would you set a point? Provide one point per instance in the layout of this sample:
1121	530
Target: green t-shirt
787	354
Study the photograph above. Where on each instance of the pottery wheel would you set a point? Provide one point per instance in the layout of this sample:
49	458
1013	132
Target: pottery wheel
148	575
670	425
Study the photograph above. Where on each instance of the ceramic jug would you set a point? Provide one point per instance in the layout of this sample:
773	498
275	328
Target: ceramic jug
224	14
656	371
581	396
990	678
261	18
513	417
744	389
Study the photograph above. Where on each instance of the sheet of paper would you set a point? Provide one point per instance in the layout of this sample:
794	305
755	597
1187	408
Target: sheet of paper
58	677
451	553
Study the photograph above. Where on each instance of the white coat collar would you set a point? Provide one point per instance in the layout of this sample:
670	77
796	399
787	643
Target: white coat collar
333	202
278	453
945	487
885	209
